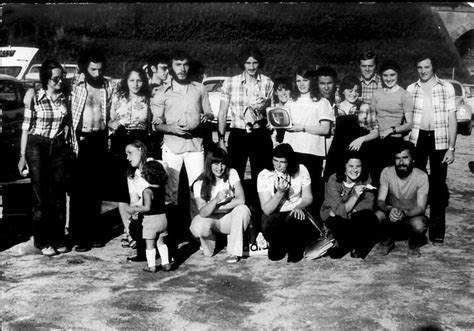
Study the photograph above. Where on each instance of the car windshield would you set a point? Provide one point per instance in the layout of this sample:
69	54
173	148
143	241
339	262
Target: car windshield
34	69
457	90
10	71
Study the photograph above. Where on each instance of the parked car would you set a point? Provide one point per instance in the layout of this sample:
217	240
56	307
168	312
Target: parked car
15	61
464	110
214	88
11	119
71	71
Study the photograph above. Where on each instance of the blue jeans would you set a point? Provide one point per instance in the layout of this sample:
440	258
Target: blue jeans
47	161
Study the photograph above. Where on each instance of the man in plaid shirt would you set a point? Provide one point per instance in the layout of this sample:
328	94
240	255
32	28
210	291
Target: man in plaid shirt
370	81
246	97
434	134
90	107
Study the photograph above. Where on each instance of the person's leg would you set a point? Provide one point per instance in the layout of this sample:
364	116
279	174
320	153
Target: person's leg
238	148
201	228
260	146
274	230
364	230
125	216
150	255
296	238
194	164
439	196
417	227
234	225
174	162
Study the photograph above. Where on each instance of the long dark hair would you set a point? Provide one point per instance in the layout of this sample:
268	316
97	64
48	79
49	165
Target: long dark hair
340	173
142	147
309	74
123	90
46	71
287	152
215	155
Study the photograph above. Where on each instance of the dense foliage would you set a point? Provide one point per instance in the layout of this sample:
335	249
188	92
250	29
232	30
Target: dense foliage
288	34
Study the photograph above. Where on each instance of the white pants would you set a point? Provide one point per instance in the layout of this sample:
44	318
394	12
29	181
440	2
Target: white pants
194	163
233	224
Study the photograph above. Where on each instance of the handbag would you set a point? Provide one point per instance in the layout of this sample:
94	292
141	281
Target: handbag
320	247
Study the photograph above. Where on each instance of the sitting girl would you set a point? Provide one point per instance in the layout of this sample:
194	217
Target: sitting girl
154	217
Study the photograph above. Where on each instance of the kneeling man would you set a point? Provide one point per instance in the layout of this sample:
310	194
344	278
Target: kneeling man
402	200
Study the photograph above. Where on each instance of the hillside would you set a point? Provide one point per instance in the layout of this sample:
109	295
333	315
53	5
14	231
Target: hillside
288	34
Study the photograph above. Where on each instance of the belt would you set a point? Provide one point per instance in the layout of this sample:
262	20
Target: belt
91	133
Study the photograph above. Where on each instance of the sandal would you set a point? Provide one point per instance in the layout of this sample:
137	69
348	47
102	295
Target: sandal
150	269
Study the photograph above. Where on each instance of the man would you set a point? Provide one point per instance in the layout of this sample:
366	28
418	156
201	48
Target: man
157	70
326	79
90	107
179	112
402	199
246	97
370	81
434	135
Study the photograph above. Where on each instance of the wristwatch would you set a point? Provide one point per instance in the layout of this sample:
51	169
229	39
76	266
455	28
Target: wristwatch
452	149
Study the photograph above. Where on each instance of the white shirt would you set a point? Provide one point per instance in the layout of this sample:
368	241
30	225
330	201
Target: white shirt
220	185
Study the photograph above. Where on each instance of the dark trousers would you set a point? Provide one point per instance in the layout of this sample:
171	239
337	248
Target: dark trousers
314	164
256	145
439	195
47	161
412	227
286	234
359	232
87	188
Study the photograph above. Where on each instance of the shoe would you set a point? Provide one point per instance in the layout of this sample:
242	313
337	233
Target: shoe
63	249
98	244
82	248
414	252
150	269
132	244
355	254
437	241
137	258
294	257
386	247
49	251
166	267
125	243
276	254
232	259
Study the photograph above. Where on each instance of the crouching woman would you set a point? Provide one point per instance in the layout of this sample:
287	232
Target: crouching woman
220	199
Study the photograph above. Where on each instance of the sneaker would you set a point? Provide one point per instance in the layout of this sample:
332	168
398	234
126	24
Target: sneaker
63	249
414	252
386	247
232	259
82	248
49	251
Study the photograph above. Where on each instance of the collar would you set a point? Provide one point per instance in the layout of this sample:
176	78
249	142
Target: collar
437	81
42	93
242	77
82	80
375	78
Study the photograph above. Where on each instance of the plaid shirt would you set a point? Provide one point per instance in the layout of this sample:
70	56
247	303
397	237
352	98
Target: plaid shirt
78	103
234	92
47	119
369	88
443	101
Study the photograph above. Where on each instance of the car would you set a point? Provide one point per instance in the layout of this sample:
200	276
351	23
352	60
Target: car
15	61
464	110
213	87
12	92
71	71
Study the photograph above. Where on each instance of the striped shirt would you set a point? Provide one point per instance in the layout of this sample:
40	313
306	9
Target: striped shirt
368	88
236	93
47	118
78	103
443	101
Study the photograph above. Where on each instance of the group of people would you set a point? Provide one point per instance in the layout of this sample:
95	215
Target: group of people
348	158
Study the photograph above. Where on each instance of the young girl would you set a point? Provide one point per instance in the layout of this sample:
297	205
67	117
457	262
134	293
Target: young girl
154	217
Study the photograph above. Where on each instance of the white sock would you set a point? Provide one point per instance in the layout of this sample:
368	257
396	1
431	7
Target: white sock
163	250
151	257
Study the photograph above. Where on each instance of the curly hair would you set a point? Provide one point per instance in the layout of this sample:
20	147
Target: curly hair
122	88
154	173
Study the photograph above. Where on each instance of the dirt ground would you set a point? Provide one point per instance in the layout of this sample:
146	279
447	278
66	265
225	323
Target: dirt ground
100	290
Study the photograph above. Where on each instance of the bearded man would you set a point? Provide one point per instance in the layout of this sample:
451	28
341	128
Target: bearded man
402	199
90	107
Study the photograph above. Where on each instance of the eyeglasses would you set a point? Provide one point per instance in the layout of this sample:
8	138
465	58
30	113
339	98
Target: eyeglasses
163	67
57	79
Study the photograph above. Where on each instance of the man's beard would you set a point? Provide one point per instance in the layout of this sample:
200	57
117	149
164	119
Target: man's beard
94	82
404	171
177	79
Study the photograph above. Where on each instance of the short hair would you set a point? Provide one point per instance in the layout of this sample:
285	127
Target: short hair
368	55
179	54
154	173
250	51
326	71
340	173
348	83
89	55
390	64
46	71
402	145
286	151
422	57
281	82
156	59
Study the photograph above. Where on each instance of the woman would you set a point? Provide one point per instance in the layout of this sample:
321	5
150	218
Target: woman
130	118
281	96
44	152
347	209
220	199
394	108
284	192
312	117
356	127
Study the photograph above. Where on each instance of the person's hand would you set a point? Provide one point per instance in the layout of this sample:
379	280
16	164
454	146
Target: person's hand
358	190
221	144
207	117
396	214
298	214
448	157
295	128
129	209
385	133
282	184
223	197
114	125
179	129
22	166
157	121
356	144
